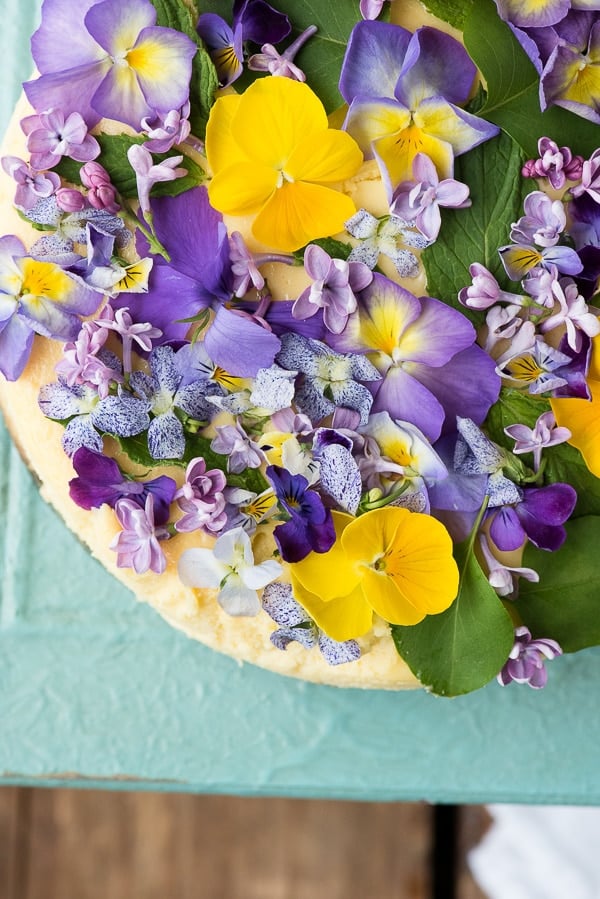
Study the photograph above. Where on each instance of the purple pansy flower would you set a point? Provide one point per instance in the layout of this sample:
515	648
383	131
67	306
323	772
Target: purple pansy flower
253	20
310	526
100	480
335	283
296	626
107	59
526	662
137	544
164	392
539	516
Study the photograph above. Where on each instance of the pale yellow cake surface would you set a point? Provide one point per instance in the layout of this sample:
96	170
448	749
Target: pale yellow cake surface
195	612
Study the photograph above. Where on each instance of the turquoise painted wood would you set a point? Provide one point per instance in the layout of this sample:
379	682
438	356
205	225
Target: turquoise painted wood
95	690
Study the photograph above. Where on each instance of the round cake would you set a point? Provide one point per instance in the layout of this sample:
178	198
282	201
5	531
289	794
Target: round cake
297	325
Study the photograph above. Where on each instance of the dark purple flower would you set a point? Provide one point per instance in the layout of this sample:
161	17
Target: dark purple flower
526	662
539	516
310	527
100	480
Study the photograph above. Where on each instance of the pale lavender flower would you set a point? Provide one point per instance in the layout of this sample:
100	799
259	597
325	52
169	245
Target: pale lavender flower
281	64
233	442
201	499
84	361
573	314
50	136
142	333
148	173
31	184
334	288
590	178
543	223
101	192
137	545
557	164
501	577
273	388
370	9
164	131
526	661
382	237
539	284
419	200
485	290
534	440
296	625
502	324
243	266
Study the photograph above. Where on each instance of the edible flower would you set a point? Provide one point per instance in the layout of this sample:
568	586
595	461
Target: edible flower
392	562
273	155
309	527
526	662
230	567
137	544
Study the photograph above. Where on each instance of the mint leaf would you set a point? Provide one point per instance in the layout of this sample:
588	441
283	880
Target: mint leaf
464	647
113	157
177	14
565	604
493	172
454	12
513	87
563	463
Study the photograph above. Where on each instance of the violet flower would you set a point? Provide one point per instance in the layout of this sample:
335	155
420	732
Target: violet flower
543	223
137	545
539	516
296	626
148	173
100	481
335	283
31	185
253	20
164	131
233	442
370	9
590	178
533	440
310	526
281	64
142	333
572	314
201	499
485	291
419	200
527	658
85	361
51	135
502	577
557	164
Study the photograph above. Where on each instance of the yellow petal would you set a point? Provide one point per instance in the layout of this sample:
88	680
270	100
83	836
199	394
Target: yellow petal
221	147
343	618
383	596
582	417
328	574
300	212
335	156
45	279
398	151
242	188
274	116
437	118
372	120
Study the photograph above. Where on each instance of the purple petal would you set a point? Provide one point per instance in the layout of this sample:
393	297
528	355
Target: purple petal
171	297
279	603
292	540
336	653
340	477
16	342
239	345
564	258
122	415
261	23
506	530
438	334
71	90
63	27
406	399
430	56
111	102
543	511
81	432
98	480
373	60
165	437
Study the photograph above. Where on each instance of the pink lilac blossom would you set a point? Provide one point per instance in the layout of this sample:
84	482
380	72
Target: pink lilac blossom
81	364
281	64
334	288
485	291
419	200
148	173
50	136
534	440
557	164
538	284
101	192
164	131
137	545
70	200
526	661
370	9
201	499
573	313
31	184
243	266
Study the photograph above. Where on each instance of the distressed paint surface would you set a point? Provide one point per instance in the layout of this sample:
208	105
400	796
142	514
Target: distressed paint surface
96	690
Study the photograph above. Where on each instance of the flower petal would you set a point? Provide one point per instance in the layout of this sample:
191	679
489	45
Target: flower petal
242	188
334	157
343	617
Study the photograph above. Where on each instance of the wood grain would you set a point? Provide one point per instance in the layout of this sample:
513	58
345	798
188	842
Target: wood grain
93	845
473	821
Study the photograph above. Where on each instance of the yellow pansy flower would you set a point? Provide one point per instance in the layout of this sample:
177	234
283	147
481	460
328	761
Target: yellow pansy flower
390	561
582	417
273	155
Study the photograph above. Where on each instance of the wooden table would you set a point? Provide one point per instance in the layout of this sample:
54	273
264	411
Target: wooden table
95	690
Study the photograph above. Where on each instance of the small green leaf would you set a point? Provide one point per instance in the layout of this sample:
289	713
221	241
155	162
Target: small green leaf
565	604
337	249
113	157
513	87
454	12
463	648
493	173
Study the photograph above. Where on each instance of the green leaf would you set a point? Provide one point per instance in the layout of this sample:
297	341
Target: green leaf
454	12
493	172
565	604
113	157
177	14
513	87
463	648
337	249
563	463
137	450
321	57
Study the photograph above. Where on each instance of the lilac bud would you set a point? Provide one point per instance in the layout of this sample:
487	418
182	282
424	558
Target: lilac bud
70	200
102	193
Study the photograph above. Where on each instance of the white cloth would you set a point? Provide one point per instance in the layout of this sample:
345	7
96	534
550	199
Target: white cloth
539	852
